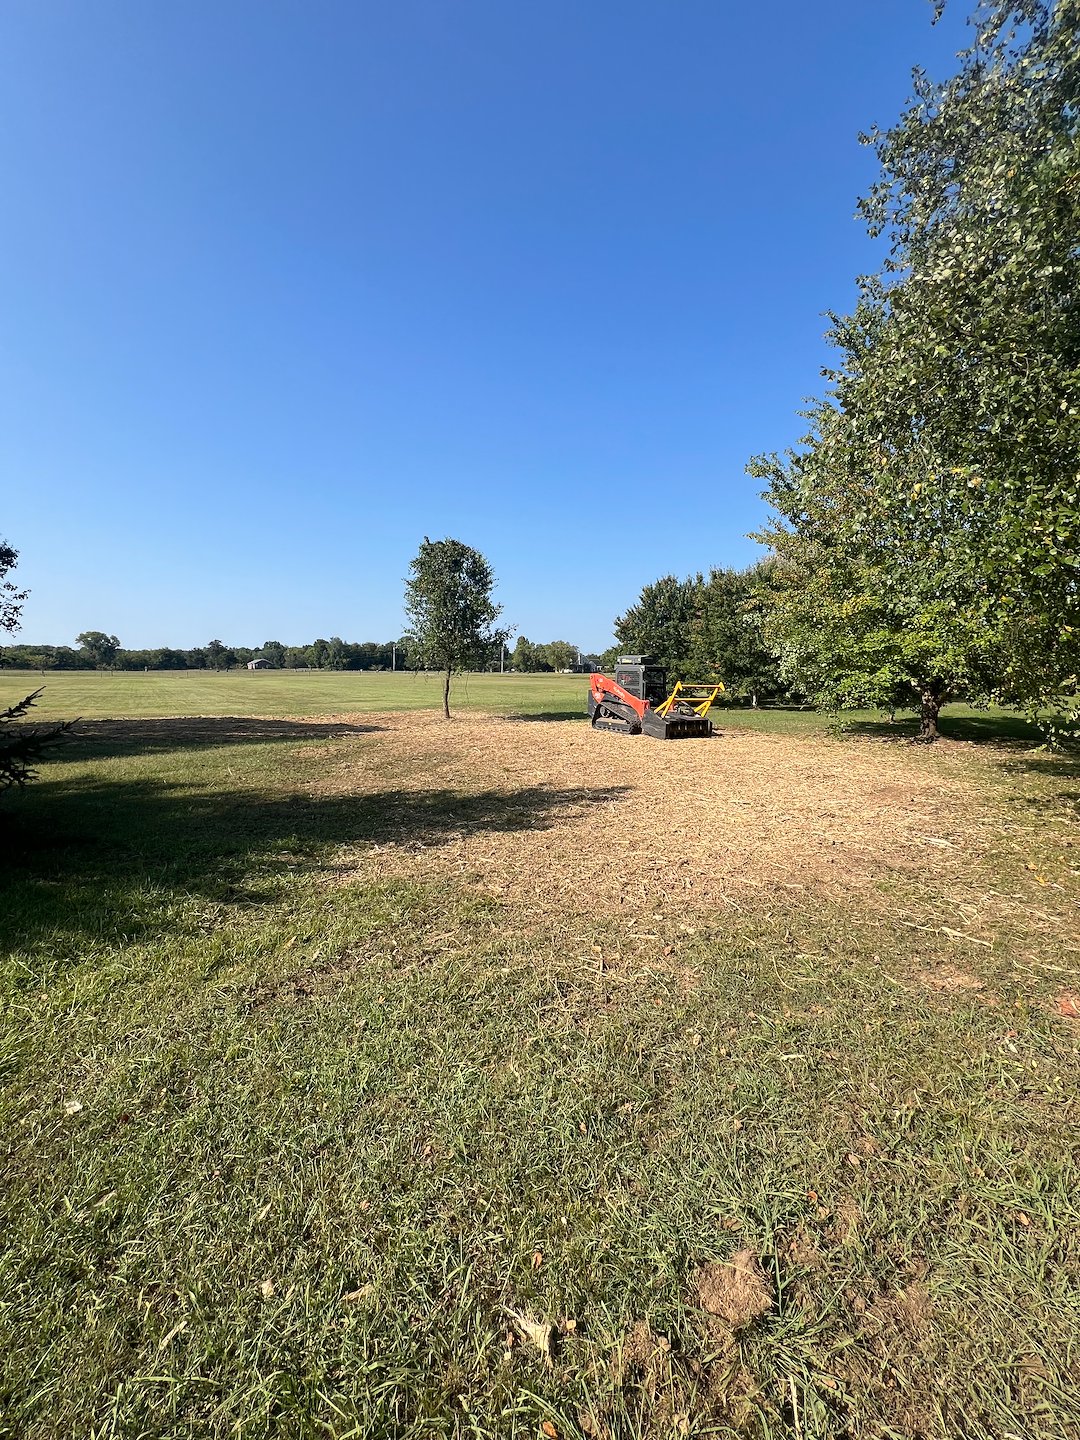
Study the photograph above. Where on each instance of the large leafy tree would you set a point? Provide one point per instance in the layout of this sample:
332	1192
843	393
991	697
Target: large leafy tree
562	654
100	647
660	623
928	531
701	629
451	613
526	655
21	746
726	639
219	656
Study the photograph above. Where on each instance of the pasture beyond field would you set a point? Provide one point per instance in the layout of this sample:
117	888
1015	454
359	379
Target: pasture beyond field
365	1074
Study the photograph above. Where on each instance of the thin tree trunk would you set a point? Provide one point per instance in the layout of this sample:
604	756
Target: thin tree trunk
446	695
929	708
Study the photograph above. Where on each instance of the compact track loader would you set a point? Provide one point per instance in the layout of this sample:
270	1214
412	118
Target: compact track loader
636	701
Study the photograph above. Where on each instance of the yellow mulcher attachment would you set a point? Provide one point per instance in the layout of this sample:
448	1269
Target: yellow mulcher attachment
699	698
684	714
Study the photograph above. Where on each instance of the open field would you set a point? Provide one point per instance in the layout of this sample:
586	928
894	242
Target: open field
286	692
365	1075
104	694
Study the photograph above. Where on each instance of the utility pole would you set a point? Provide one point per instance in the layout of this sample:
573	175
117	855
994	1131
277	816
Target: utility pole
393	657
502	659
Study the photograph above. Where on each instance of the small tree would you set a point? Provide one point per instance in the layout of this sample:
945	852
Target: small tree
23	747
100	647
450	610
20	748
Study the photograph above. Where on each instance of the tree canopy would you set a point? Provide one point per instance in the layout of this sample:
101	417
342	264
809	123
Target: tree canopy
726	640
702	629
11	597
660	623
100	647
927	533
450	609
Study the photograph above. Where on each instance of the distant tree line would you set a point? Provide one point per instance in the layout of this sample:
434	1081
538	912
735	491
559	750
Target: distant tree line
532	659
99	651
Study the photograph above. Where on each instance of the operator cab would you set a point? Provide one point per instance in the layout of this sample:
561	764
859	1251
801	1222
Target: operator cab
640	676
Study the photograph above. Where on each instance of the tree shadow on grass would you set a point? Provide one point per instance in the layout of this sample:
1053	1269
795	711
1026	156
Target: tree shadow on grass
92	859
95	739
988	729
1045	766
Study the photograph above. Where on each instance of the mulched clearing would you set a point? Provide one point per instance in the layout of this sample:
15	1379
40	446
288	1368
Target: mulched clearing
660	828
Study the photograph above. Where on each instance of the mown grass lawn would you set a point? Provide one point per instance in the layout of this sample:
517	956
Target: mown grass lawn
286	692
123	693
333	1107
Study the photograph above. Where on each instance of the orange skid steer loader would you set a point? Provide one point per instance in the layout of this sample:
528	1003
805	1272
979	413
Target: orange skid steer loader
636	701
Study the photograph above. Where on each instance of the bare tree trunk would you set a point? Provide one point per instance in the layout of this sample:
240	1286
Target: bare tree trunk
929	708
446	695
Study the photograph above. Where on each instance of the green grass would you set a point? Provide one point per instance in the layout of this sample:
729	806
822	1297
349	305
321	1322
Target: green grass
104	694
283	692
332	1128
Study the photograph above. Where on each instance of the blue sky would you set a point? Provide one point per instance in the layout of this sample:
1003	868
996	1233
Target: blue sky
288	284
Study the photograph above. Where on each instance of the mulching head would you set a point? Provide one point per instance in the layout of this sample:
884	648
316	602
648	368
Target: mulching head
675	726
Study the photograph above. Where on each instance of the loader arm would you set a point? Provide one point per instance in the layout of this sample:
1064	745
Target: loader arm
603	688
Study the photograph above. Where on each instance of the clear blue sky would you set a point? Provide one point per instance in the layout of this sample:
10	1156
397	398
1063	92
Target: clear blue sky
287	286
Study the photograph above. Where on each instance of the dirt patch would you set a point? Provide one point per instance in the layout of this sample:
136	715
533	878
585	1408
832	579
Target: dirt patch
909	1309
846	1219
949	981
730	1390
647	1367
802	1251
653	830
735	1290
643	1349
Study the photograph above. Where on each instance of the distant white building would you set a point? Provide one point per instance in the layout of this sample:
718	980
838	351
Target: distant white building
259	664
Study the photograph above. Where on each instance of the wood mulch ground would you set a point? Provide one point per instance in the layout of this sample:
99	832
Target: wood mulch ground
664	827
